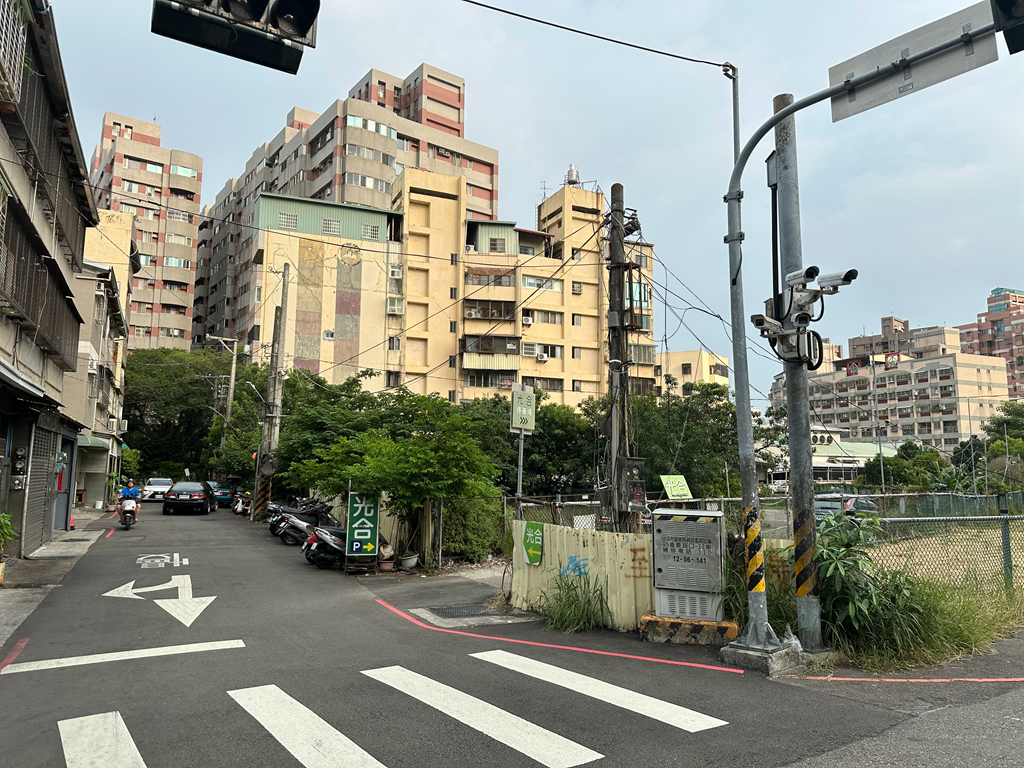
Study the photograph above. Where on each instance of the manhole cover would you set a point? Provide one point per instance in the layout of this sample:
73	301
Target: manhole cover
459	611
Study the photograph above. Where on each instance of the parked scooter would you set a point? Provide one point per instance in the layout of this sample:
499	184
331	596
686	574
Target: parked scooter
128	518
297	528
325	548
317	514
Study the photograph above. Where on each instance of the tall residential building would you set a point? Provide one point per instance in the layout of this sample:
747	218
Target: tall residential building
161	187
46	207
999	331
354	152
442	303
938	400
898	336
692	367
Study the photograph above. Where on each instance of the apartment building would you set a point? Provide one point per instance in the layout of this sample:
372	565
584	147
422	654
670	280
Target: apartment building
898	336
354	152
46	208
160	187
440	302
692	367
999	331
939	400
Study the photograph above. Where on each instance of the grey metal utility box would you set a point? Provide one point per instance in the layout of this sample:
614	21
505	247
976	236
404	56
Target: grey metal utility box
689	563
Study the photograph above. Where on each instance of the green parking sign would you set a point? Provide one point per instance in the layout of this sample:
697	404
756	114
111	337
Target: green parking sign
533	543
363	522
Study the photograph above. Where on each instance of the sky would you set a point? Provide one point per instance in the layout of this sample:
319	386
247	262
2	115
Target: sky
923	196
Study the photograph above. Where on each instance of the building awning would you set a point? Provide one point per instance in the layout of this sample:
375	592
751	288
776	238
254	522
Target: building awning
12	377
91	441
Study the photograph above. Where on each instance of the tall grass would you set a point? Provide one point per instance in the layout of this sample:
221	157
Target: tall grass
574	604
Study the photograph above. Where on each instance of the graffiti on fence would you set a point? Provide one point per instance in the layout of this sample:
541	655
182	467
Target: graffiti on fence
577	566
641	564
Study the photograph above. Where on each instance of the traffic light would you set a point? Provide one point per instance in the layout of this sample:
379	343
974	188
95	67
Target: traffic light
272	33
1009	18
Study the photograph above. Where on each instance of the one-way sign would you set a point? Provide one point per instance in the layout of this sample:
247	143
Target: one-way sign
523	415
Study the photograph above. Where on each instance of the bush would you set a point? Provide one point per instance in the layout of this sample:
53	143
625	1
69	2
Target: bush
472	528
576	604
7	532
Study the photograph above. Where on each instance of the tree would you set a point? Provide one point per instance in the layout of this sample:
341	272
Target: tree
1009	422
998	448
559	456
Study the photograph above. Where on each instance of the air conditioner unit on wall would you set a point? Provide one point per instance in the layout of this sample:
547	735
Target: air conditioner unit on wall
527	320
542	357
124	425
112	425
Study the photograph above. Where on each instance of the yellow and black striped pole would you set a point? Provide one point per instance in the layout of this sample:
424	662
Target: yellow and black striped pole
755	550
758	636
259	507
804	545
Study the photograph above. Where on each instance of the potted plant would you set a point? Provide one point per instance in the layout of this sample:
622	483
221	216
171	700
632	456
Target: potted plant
408	560
386	558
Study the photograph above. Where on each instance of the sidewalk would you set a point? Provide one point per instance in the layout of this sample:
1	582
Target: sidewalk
27	581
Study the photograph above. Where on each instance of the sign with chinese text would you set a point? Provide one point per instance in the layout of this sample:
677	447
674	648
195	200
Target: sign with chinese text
533	542
363	523
523	417
676	487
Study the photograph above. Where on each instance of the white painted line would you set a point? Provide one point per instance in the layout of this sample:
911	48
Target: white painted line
309	739
99	741
99	658
542	745
672	714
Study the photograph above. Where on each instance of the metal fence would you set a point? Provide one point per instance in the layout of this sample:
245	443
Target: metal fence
941	504
976	553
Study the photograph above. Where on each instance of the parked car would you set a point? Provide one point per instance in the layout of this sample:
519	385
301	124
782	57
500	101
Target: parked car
193	496
780	486
829	503
225	496
155	488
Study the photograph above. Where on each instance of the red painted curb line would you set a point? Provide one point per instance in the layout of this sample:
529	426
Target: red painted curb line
916	679
109	531
18	648
112	516
418	623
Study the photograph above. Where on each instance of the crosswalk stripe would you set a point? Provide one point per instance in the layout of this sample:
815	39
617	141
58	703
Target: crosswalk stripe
672	714
310	740
542	745
99	741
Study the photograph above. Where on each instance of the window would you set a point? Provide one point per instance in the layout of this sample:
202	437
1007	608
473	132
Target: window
147	260
321	139
687	369
502	345
577	385
577	254
499	280
453	326
543	316
371	231
455	259
717	369
394	378
381	88
527	250
171	261
453	293
395	271
331	227
175	333
287	220
395	343
175	216
452	361
577	319
129	186
542	283
177	239
396	305
140	331
144	306
548	385
181	170
577	288
577	353
172	309
451	395
376	155
496	245
553	351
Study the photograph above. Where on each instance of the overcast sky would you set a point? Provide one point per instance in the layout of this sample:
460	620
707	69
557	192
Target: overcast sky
923	196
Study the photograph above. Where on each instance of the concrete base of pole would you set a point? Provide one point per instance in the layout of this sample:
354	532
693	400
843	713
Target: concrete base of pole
758	635
785	661
808	621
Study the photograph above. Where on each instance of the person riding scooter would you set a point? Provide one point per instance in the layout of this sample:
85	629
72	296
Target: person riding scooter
129	492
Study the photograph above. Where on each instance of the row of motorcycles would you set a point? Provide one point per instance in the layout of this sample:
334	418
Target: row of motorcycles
310	522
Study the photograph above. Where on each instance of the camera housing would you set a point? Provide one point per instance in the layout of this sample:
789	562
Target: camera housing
835	280
801	278
766	325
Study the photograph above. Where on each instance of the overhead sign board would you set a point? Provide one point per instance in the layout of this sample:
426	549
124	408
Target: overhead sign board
903	81
523	410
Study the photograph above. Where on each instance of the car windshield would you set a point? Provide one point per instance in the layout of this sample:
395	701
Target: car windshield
187	487
160	482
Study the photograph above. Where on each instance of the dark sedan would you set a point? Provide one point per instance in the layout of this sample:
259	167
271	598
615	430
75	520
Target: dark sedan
190	497
225	497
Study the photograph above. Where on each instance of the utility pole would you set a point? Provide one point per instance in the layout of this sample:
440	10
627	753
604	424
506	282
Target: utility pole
878	428
801	454
617	350
231	382
272	405
279	355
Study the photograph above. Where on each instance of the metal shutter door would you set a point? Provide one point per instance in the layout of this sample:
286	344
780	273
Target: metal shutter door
38	523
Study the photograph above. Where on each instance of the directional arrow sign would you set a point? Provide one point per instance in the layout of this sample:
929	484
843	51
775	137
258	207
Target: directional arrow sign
523	416
184	607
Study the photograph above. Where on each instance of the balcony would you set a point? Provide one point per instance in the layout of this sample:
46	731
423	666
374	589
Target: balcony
489	379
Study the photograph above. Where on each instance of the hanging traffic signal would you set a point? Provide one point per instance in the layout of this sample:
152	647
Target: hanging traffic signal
1009	18
272	34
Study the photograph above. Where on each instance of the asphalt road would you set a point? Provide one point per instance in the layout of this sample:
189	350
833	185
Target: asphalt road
311	670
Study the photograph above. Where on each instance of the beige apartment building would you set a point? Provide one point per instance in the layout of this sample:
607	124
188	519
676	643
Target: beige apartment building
692	367
898	336
999	331
938	400
160	187
354	152
440	302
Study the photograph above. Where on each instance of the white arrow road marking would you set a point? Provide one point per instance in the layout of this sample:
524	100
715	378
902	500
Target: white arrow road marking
99	741
184	607
672	714
99	658
310	740
538	743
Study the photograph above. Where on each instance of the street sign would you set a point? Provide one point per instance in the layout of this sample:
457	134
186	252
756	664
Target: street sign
853	367
363	523
892	362
676	487
268	465
954	61
523	414
533	542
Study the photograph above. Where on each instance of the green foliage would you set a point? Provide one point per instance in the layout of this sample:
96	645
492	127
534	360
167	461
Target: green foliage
559	455
913	466
574	604
131	464
472	527
1009	421
998	448
7	532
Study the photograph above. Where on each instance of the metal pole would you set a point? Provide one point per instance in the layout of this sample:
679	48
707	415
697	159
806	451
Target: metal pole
519	480
231	390
616	344
801	454
1004	511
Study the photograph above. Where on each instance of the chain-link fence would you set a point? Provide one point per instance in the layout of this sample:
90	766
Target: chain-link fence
977	553
936	504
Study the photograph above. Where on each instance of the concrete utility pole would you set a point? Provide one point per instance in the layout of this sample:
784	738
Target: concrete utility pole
233	349
272	405
279	354
801	454
618	356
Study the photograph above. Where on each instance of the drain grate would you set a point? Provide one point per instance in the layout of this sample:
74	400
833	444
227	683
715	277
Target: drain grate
459	611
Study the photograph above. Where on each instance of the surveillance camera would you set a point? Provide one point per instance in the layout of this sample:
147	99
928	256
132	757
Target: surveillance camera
802	319
766	325
801	277
837	279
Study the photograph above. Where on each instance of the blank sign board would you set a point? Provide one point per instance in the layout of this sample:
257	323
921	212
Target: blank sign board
902	82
